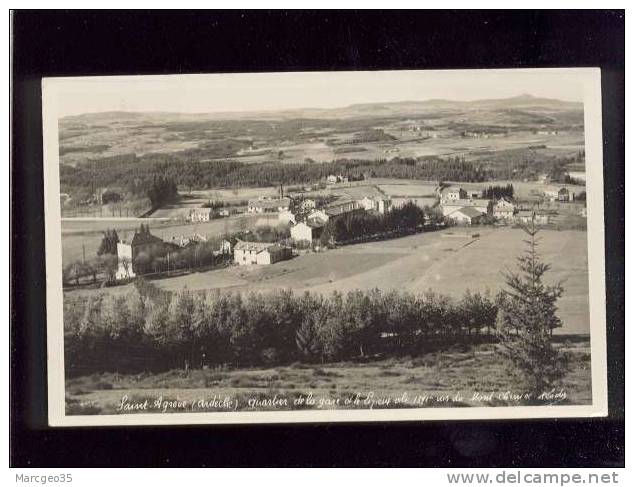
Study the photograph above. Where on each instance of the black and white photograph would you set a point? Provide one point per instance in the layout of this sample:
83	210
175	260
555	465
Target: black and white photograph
324	246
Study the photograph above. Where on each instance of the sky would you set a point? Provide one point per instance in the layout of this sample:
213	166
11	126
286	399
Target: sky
281	91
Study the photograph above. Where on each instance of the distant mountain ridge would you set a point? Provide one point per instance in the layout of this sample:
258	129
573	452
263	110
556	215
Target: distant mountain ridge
377	109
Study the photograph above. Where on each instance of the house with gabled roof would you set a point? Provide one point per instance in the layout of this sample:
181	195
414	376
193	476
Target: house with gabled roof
481	205
467	215
504	209
307	231
262	253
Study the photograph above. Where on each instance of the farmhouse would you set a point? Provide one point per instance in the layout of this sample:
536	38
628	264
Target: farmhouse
563	195
143	242
199	215
526	216
307	231
247	253
483	206
381	205
334	179
269	205
317	216
467	215
504	209
454	193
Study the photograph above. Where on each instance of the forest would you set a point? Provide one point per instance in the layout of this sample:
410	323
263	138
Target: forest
194	174
189	169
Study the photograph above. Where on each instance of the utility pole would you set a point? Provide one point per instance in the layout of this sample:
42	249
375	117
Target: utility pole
83	251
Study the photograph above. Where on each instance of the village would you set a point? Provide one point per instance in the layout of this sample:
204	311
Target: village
304	220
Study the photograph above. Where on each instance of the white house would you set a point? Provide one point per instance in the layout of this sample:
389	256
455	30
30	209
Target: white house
317	215
382	205
564	195
307	231
454	193
483	206
561	193
504	209
248	253
124	261
467	215
199	215
334	179
526	216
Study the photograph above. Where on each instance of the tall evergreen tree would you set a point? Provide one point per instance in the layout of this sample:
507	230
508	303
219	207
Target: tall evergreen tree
528	310
109	243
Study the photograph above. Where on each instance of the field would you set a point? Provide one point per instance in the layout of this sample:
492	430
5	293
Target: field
430	380
448	262
410	129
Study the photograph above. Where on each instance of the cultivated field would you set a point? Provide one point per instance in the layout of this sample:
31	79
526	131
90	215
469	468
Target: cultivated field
434	379
448	262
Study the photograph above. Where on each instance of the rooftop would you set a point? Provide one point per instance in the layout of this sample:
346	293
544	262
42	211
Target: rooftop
258	246
467	203
469	211
142	238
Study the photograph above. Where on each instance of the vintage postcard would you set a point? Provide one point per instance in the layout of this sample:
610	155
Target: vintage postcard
325	246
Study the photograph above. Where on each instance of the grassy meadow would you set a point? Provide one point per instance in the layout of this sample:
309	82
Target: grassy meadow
427	380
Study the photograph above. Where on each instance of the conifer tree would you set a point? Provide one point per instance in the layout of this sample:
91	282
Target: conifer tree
528	318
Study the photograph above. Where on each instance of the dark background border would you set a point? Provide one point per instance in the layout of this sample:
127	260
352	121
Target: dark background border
57	43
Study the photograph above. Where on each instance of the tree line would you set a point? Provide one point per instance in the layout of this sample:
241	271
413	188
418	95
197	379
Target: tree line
363	225
192	173
497	192
149	329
